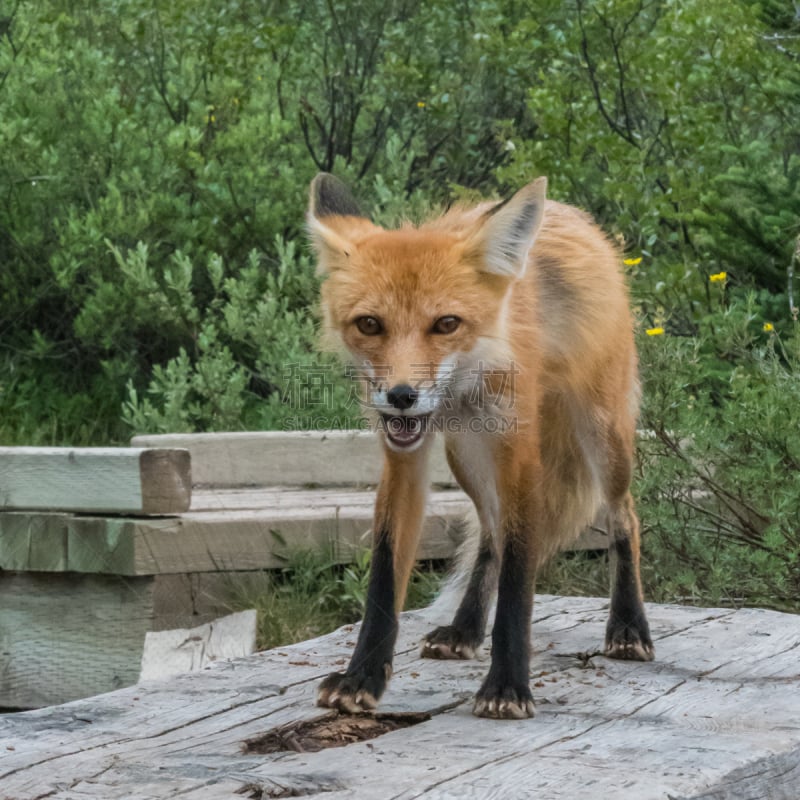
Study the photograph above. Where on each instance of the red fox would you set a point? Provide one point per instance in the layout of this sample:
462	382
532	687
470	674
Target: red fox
506	326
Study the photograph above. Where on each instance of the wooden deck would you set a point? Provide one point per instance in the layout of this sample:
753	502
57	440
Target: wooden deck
717	715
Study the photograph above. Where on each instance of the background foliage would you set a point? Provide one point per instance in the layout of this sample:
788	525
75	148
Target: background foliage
154	160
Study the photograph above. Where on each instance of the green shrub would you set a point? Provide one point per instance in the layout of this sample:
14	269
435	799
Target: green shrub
679	132
250	362
719	484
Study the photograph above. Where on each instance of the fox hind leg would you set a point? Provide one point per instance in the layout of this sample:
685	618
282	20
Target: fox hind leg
471	460
627	631
463	637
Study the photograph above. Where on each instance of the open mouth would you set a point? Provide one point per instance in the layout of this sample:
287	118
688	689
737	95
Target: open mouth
404	432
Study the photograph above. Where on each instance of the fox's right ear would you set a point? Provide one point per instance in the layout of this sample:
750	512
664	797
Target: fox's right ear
333	219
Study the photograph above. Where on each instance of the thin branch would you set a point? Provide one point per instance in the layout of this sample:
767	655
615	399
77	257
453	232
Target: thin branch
307	139
595	85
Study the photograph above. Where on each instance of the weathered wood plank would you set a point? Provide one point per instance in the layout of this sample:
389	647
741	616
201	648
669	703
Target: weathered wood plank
771	778
293	502
677	727
202	542
172	652
297	458
95	479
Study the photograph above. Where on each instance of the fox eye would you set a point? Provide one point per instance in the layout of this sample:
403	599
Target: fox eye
369	326
446	324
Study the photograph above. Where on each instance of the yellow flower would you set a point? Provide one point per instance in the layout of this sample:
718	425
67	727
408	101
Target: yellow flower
655	331
420	104
769	327
632	262
718	277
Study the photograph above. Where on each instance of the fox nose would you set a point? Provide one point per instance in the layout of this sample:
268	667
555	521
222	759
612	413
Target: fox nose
402	396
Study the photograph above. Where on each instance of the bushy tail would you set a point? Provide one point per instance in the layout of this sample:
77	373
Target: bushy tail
444	607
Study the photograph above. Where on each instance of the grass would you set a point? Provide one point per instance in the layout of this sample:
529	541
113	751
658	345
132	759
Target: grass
579	572
313	595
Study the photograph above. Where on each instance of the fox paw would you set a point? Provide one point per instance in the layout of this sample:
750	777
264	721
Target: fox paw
353	693
629	642
448	642
503	702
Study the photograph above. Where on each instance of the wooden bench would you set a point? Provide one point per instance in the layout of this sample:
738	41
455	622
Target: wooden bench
109	556
715	717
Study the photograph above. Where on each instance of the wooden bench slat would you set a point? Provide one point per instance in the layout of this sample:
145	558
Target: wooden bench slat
109	480
296	458
208	541
302	501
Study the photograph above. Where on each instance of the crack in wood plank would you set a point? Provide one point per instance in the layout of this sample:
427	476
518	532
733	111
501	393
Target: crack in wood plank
705	620
760	775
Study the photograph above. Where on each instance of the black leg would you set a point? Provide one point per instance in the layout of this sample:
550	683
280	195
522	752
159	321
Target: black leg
361	686
627	632
463	637
506	694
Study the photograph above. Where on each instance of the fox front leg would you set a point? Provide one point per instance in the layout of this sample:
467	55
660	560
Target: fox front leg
399	514
506	693
361	686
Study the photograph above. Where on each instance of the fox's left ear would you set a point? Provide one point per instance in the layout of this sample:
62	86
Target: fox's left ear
334	219
507	231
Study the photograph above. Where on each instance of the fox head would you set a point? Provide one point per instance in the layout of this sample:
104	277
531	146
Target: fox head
421	312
